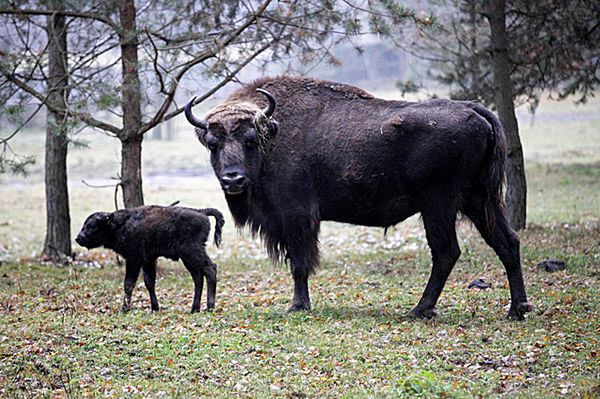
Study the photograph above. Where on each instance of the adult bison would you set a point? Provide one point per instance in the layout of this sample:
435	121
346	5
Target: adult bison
290	152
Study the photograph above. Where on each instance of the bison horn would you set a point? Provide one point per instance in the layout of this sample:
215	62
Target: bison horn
271	108
202	124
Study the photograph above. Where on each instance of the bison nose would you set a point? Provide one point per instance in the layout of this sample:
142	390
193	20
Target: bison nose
234	179
233	182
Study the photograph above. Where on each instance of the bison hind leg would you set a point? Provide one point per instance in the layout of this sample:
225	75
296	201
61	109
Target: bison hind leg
439	219
426	314
505	242
517	312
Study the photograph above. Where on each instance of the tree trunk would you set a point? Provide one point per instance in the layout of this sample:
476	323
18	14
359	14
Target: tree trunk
131	140
516	193
474	59
57	244
131	172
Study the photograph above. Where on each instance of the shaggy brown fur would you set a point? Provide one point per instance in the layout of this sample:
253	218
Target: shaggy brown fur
143	234
334	152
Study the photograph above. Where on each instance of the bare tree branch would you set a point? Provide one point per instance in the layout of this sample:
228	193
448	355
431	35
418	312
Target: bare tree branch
84	117
158	117
4	140
213	90
96	17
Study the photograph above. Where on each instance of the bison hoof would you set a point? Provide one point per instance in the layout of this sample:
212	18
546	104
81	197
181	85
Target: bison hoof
417	313
299	307
125	309
195	310
518	312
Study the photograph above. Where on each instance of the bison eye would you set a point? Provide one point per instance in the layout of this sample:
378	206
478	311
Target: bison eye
251	139
251	143
212	142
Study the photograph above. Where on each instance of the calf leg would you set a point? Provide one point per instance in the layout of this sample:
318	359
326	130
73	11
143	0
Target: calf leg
150	282
505	242
198	287
210	272
440	230
132	270
194	263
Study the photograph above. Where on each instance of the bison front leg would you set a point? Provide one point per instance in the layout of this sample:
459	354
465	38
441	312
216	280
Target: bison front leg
301	299
303	254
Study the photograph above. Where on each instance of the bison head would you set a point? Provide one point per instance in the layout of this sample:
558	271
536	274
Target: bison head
238	135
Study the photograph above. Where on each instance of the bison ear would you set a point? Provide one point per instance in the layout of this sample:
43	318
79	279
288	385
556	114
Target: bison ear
266	136
273	128
117	219
266	130
201	134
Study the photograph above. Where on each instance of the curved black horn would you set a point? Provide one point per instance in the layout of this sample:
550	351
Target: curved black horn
271	108
202	124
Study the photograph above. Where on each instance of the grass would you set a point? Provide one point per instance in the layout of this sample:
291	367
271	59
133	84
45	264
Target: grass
61	330
61	334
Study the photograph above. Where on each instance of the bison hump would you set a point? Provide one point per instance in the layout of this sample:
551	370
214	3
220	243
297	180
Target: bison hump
348	91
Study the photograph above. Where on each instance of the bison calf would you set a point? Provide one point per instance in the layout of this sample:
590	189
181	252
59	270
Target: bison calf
143	234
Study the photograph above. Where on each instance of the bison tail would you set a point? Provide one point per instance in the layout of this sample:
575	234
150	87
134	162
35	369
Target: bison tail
495	166
220	221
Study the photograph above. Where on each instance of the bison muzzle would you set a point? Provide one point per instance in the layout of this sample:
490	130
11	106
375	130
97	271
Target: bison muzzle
291	152
143	234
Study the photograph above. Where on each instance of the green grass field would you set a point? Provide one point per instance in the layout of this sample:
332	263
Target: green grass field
61	334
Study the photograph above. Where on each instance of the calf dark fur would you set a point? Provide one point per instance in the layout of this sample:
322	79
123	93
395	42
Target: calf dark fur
143	234
290	152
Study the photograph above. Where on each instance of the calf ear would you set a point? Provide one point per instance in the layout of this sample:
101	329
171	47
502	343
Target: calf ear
97	217
117	219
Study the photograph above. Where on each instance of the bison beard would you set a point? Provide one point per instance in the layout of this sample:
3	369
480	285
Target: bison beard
143	234
328	151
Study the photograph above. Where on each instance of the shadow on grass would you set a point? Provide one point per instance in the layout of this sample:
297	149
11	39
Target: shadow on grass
380	314
445	316
377	315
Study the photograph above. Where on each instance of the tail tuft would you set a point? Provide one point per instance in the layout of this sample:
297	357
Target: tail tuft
220	221
496	165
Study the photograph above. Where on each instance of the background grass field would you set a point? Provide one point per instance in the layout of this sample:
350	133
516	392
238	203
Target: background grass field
61	334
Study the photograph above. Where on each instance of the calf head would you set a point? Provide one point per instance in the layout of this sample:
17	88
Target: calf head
238	135
94	231
99	228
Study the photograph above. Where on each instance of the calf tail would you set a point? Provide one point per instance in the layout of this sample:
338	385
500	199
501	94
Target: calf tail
495	167
220	221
